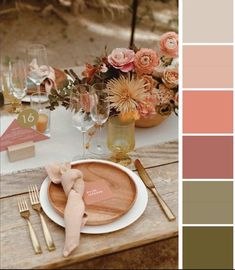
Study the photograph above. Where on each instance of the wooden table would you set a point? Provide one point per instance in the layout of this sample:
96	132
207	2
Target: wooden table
161	162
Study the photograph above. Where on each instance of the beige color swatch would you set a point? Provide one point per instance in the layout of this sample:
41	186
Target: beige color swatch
208	21
208	66
208	202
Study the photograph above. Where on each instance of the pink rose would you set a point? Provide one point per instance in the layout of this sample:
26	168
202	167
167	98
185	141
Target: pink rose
170	77
169	44
145	61
122	58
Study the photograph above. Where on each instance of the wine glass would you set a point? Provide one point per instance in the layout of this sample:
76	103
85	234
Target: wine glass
18	79
80	112
38	68
99	113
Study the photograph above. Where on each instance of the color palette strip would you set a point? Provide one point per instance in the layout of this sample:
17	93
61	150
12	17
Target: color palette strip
207	129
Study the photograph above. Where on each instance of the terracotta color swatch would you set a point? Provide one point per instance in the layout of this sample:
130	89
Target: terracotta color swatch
207	111
207	202
207	157
207	66
207	248
208	21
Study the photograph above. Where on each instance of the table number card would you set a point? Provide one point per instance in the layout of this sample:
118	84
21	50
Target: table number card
15	134
27	118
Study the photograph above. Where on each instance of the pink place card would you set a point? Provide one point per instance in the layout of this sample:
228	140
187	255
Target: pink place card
16	135
96	191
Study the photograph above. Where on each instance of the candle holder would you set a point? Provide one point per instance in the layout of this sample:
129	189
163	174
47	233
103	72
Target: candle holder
121	139
39	102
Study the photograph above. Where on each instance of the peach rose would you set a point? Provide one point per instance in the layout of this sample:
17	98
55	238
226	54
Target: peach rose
122	58
170	77
145	61
169	44
164	95
150	83
147	108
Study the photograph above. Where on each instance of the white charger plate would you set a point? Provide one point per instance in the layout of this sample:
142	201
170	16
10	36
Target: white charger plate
131	216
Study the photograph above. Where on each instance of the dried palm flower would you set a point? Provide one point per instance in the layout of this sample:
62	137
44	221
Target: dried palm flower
125	93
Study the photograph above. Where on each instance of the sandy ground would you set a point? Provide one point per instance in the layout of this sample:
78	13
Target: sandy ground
79	42
84	37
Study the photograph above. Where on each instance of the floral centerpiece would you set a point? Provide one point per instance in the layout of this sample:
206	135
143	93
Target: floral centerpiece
142	83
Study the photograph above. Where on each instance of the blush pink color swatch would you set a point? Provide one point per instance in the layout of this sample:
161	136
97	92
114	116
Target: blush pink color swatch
208	111
208	66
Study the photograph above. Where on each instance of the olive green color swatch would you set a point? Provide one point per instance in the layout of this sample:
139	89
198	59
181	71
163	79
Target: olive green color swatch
207	248
207	202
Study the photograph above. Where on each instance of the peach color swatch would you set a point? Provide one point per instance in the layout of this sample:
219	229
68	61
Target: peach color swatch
208	21
207	157
207	111
207	66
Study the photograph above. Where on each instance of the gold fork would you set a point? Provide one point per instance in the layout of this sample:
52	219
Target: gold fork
35	202
24	212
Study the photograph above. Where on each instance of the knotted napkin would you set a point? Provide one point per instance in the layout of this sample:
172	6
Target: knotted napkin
42	72
74	213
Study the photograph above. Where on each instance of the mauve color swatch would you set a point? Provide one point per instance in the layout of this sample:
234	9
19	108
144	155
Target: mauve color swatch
208	66
207	111
207	248
208	157
208	21
207	202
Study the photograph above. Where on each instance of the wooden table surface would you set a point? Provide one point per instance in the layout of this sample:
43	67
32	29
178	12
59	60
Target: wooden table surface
161	162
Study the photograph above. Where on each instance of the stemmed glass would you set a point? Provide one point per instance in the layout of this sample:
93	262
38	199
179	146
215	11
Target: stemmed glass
99	113
18	79
80	112
37	61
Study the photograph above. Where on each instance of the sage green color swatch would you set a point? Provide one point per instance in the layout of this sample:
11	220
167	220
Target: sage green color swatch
207	202
207	248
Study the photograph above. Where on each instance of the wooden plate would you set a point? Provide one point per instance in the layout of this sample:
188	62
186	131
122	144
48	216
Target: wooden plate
118	185
60	78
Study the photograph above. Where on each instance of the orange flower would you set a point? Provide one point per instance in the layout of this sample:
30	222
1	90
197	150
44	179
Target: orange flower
129	116
145	61
89	72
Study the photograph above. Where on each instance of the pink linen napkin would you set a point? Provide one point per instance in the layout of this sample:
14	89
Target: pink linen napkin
74	214
42	72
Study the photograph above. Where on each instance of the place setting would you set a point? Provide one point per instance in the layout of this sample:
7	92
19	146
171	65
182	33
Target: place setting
90	176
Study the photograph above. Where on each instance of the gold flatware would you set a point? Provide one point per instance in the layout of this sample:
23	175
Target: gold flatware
149	184
24	212
35	202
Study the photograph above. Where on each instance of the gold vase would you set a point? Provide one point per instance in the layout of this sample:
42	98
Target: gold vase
162	113
121	139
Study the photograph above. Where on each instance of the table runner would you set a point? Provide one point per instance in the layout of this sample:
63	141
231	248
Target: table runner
161	162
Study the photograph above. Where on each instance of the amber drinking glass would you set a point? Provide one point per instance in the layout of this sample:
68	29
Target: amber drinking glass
121	140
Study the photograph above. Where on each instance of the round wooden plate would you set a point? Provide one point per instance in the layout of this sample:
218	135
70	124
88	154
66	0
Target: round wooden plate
121	190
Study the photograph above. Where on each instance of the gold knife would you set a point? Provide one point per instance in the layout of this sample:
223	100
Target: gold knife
149	184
